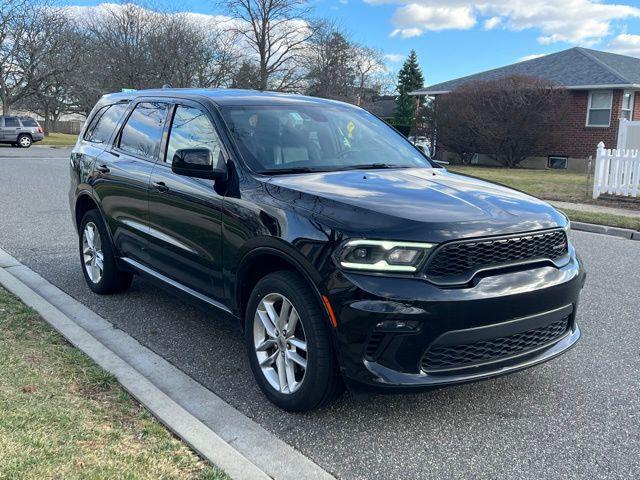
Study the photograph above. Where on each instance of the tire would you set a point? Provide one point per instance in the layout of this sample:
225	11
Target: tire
24	141
320	383
110	279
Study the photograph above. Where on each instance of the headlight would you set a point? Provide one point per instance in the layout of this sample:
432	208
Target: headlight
383	255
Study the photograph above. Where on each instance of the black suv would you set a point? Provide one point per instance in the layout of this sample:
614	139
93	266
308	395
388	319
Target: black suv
344	252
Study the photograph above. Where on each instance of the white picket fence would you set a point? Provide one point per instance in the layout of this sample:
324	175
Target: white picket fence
617	172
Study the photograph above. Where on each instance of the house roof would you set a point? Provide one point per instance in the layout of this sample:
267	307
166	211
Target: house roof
383	107
573	68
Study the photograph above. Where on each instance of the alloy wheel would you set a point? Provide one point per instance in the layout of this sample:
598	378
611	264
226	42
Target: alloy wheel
280	343
92	256
25	141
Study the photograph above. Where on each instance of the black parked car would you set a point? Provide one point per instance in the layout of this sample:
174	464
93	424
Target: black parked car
344	252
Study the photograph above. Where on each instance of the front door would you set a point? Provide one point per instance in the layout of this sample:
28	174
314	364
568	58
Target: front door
123	172
185	213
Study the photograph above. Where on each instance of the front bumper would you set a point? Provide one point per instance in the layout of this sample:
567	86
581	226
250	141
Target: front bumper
387	325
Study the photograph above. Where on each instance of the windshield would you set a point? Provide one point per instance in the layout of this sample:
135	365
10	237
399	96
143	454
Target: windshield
300	138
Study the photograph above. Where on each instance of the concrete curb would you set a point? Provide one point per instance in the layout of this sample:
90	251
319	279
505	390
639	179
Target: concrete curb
213	428
606	230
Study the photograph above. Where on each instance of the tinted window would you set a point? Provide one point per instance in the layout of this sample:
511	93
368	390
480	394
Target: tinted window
28	122
94	121
273	138
11	121
105	122
142	133
191	128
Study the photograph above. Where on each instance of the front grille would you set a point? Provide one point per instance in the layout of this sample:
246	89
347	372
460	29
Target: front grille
460	260
449	357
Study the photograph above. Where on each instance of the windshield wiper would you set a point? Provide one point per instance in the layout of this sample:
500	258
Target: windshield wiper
283	171
373	166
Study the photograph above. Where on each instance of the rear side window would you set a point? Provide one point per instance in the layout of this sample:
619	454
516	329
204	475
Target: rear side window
104	123
142	133
11	122
28	122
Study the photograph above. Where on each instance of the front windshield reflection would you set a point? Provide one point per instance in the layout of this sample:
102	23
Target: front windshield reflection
286	139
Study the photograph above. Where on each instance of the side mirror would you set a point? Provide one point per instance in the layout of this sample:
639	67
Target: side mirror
199	163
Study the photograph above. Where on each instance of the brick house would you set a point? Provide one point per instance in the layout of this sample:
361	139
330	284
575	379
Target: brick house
604	87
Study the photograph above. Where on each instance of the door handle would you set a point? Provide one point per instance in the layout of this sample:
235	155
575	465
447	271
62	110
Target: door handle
161	186
103	169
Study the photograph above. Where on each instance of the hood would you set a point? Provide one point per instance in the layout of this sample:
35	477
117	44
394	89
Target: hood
414	204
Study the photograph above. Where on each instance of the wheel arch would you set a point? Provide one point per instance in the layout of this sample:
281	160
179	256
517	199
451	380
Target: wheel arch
84	202
264	259
24	134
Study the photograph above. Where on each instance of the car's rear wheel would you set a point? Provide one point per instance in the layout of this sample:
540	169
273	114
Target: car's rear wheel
24	141
288	344
98	258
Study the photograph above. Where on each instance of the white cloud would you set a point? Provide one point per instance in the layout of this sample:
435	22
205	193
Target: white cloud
626	44
413	19
491	23
394	57
574	21
531	57
406	32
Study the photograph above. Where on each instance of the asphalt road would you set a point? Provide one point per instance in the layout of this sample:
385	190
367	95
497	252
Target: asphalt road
577	416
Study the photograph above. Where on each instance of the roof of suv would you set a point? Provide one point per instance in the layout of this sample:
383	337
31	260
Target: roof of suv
226	96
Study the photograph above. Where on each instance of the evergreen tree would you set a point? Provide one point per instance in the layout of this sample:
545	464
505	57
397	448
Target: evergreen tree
409	79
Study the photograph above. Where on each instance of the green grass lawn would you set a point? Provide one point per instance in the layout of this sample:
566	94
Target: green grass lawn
59	140
552	185
603	219
62	416
547	184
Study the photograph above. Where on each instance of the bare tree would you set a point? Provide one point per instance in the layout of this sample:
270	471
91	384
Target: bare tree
121	37
509	119
52	95
247	76
31	35
276	31
191	54
368	65
331	65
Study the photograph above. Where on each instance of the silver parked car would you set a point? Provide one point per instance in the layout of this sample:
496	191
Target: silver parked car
20	131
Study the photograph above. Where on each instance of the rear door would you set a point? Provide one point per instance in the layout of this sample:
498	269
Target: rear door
10	129
123	171
184	212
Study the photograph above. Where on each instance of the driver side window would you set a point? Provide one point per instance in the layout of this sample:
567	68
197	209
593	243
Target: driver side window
191	128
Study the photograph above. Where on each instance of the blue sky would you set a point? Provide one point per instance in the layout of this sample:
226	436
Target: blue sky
457	37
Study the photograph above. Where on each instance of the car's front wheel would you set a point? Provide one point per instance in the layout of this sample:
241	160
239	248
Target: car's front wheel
288	344
98	257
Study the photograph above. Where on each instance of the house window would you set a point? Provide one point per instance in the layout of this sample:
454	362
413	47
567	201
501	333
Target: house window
599	111
627	105
557	163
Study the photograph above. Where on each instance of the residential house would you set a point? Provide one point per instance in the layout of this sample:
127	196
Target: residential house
604	88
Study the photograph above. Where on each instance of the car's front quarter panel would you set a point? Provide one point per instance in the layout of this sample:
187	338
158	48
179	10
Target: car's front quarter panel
254	221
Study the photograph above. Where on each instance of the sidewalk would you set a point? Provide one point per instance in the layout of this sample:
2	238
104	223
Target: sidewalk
586	207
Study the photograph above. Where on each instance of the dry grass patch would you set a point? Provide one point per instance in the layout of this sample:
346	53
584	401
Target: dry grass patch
62	416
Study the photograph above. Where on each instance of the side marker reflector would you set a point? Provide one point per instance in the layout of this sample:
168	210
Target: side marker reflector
332	316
